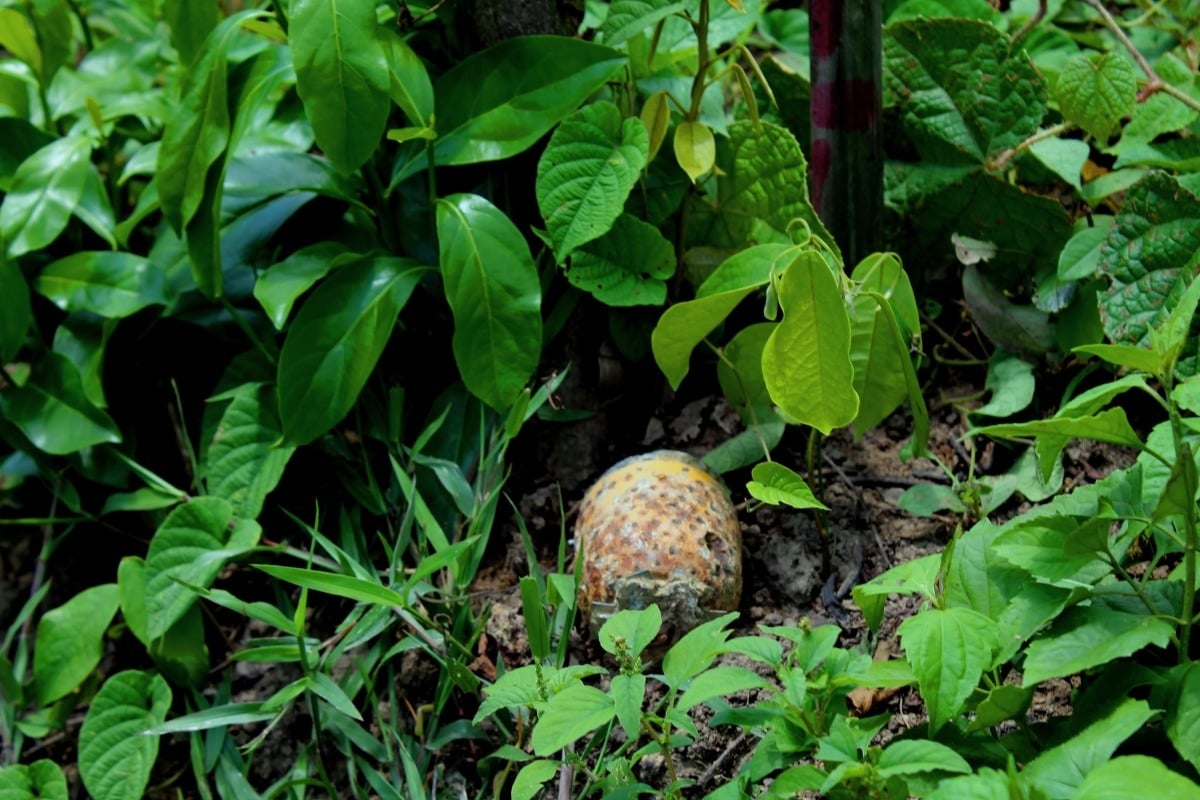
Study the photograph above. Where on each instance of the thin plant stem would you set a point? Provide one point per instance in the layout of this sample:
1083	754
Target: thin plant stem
1005	156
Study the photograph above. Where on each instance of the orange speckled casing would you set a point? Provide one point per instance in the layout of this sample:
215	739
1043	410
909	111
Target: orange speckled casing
659	528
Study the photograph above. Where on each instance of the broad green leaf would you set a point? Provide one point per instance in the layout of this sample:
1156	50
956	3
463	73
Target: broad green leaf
1095	90
280	286
256	177
986	784
1055	548
195	138
181	653
628	18
1010	381
626	266
916	577
1135	776
242	462
776	484
500	101
719	682
44	193
695	149
765	180
586	173
41	780
1064	157
806	362
574	712
874	350
1021	329
637	629
1059	771
335	340
906	757
411	88
105	283
684	325
115	755
963	93
628	693
492	288
1183	713
694	653
1124	355
948	650
95	210
521	687
532	777
342	76
1150	256
70	641
190	22
16	313
1088	636
53	410
188	550
1003	703
740	374
1081	255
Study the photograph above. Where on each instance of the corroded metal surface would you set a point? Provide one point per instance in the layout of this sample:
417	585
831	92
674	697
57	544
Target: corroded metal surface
659	528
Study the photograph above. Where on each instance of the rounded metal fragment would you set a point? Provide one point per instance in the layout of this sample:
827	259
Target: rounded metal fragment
659	528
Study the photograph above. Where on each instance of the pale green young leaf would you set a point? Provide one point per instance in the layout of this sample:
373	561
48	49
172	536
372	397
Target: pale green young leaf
656	116
572	713
342	76
906	757
18	37
636	628
695	149
684	325
949	649
53	410
115	755
188	550
335	340
1124	355
70	641
1064	157
43	194
772	482
105	283
806	362
41	780
1095	90
494	295
875	351
586	172
1088	636
1011	383
532	777
1080	256
626	266
242	463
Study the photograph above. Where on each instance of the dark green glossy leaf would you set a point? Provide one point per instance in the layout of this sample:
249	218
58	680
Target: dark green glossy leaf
626	266
53	411
498	102
189	22
16	313
45	191
495	296
411	88
104	283
342	76
278	288
335	340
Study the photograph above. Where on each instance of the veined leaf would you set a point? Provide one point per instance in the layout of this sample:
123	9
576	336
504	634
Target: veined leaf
342	76
627	266
806	362
115	757
695	149
948	650
1087	636
494	294
41	780
70	641
628	18
242	463
1095	90
44	192
586	173
411	88
53	410
875	351
335	340
570	714
776	484
109	284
